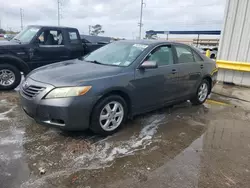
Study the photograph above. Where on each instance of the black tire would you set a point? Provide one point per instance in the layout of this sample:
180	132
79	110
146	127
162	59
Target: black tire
195	100
95	125
17	76
212	56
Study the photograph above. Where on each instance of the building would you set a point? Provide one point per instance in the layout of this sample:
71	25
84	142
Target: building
234	50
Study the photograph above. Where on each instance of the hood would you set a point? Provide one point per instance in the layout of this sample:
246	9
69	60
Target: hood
72	73
10	45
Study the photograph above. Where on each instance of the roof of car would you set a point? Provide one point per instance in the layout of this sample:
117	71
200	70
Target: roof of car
52	26
95	39
149	42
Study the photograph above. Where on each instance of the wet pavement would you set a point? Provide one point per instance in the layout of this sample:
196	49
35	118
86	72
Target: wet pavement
184	146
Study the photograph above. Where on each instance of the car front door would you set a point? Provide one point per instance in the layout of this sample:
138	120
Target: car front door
190	67
50	48
155	87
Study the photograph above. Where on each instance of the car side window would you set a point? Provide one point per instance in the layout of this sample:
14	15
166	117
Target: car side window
161	55
184	54
197	57
73	38
51	37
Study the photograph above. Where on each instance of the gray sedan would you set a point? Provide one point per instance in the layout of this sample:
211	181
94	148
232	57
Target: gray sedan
116	82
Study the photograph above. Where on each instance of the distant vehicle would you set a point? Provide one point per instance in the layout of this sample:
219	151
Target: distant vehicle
91	43
213	51
1	35
9	36
119	80
37	46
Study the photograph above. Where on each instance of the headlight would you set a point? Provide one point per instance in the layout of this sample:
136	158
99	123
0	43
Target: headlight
68	92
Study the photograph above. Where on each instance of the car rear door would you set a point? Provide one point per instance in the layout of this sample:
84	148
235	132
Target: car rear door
154	87
190	66
50	51
74	45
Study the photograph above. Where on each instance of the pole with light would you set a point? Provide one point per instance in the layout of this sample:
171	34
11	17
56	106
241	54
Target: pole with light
140	23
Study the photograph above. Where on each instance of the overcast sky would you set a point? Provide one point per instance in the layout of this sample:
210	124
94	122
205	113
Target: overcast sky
119	18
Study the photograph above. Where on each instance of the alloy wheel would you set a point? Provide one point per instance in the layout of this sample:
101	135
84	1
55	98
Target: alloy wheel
111	116
203	92
7	77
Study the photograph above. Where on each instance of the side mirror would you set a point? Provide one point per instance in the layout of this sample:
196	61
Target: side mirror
149	65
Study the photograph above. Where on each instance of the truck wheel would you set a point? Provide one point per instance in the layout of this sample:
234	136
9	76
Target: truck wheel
108	115
10	77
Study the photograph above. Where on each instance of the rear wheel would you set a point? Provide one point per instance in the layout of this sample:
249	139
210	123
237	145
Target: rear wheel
108	115
202	93
212	56
10	77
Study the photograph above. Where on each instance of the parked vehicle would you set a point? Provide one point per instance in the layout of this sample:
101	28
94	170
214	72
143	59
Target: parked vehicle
91	43
117	81
213	51
37	46
9	36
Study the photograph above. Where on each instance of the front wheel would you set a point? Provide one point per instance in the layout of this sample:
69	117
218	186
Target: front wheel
108	115
10	77
201	94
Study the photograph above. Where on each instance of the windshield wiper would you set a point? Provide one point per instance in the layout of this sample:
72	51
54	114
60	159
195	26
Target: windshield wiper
96	62
17	40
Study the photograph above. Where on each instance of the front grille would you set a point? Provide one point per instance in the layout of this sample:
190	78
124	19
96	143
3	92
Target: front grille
32	91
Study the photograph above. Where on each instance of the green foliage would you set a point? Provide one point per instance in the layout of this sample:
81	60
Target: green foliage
96	30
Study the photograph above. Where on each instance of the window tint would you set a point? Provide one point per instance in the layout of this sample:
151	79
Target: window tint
197	57
184	54
51	37
161	55
73	37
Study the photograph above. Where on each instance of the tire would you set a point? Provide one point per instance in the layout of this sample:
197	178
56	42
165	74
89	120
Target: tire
212	56
197	99
16	79
97	125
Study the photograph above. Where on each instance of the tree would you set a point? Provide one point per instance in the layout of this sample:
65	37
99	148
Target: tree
96	30
151	36
2	31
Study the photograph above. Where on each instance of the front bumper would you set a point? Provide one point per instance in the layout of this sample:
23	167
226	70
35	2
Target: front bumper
66	113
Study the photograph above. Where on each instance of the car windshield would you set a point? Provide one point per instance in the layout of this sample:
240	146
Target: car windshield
26	35
116	54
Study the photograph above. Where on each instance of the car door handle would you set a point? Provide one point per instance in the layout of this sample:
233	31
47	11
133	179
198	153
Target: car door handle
202	66
174	71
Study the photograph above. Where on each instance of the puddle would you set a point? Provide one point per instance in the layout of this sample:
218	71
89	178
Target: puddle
6	108
103	154
3	114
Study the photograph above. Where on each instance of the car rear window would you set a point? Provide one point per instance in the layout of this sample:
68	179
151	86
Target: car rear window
73	37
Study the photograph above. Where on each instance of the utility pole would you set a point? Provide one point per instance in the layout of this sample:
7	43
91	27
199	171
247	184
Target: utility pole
21	15
58	12
90	29
140	23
